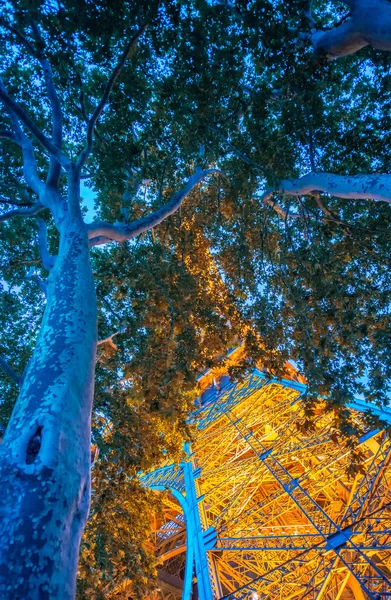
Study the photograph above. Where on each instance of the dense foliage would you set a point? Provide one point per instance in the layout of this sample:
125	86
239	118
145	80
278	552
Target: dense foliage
233	85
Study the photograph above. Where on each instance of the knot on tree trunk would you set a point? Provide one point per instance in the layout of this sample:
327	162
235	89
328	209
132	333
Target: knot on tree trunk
34	446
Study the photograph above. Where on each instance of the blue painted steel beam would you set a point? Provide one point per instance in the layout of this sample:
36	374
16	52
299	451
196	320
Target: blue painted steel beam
218	403
196	534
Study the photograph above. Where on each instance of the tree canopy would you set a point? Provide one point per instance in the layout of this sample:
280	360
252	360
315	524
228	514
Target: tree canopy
280	242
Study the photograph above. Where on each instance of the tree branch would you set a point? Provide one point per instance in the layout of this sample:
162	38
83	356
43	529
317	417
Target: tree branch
9	135
238	153
308	14
48	197
55	165
29	163
368	24
48	260
110	308
101	233
103	101
82	110
327	211
20	114
109	339
9	371
267	199
20	36
357	187
39	281
26	204
310	138
342	40
22	212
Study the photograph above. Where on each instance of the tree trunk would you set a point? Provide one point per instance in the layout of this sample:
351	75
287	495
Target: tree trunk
45	454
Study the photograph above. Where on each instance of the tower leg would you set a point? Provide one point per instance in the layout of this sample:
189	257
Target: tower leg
195	540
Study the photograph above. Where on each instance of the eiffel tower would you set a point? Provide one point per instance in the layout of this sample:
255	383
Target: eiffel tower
262	510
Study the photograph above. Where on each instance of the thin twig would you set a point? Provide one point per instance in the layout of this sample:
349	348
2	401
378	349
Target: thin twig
109	86
22	212
238	153
38	280
109	339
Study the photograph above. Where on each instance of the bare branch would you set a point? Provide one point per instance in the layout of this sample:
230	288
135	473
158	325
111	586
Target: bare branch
17	263
48	74
22	212
109	86
238	153
19	112
327	211
109	339
55	165
268	199
20	36
367	24
29	162
82	107
38	280
101	233
9	371
98	240
111	308
49	198
82	110
357	187
48	260
9	135
26	204
342	40
308	14
310	138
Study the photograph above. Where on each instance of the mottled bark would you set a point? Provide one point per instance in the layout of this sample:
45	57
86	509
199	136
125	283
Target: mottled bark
369	24
357	187
45	454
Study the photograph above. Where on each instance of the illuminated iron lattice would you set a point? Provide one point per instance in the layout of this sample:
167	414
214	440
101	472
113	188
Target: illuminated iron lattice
261	510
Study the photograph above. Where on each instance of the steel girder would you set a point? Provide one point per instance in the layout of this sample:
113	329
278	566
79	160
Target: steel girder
269	510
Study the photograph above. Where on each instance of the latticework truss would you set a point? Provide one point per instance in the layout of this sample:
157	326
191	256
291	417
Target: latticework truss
263	510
